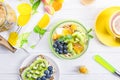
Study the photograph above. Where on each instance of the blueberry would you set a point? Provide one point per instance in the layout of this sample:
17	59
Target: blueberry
57	42
60	47
38	78
62	42
65	44
65	47
60	52
57	50
48	76
51	72
43	78
65	51
46	72
55	45
50	68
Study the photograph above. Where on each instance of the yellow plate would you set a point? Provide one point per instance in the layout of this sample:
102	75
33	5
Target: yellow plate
101	31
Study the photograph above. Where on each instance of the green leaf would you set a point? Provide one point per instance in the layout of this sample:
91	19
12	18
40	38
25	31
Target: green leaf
36	5
64	38
23	42
33	46
36	29
90	36
69	37
61	38
31	1
42	31
23	39
89	30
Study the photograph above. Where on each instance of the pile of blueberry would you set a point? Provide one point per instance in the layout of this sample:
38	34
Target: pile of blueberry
48	73
60	47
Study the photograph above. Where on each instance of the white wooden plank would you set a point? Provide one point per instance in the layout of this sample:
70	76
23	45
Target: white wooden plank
68	77
10	63
90	77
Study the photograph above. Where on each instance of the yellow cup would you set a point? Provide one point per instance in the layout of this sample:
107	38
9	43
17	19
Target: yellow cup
109	17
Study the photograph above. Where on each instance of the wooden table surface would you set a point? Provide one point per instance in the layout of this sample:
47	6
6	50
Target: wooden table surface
72	9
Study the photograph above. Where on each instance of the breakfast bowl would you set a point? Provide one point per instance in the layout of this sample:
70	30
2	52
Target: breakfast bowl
68	39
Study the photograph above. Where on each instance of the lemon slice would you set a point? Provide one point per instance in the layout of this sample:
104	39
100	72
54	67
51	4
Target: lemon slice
24	9
116	25
13	37
44	21
23	20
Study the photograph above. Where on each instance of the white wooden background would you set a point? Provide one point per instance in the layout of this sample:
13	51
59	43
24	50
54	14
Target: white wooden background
72	9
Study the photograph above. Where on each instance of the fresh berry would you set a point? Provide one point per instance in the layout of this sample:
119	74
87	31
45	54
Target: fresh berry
38	78
57	50
60	52
65	47
50	68
62	42
43	78
55	45
48	76
65	43
65	51
57	42
46	72
60	47
51	72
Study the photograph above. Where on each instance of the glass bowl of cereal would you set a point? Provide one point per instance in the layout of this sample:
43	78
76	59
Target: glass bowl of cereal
68	39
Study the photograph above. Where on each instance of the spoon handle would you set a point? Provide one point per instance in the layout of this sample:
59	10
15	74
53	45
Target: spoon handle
104	63
5	43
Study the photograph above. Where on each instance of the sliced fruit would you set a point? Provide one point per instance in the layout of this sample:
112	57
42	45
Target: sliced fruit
44	21
13	37
80	36
56	36
61	1
73	27
56	5
23	20
116	25
24	9
78	48
35	70
67	31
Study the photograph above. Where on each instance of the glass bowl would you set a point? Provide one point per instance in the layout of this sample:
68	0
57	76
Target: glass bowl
76	50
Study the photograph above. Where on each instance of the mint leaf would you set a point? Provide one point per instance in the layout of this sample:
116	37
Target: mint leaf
31	1
36	5
42	31
63	38
36	29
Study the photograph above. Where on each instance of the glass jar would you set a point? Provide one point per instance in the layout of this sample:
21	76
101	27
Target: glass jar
7	17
